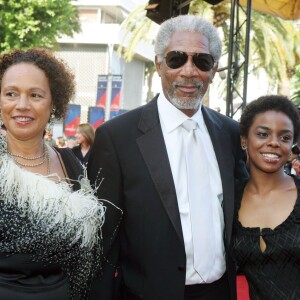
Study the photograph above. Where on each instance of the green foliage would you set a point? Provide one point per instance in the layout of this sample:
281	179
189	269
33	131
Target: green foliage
296	86
274	46
35	23
138	28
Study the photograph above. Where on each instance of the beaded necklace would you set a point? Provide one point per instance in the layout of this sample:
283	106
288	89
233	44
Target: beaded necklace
26	157
45	157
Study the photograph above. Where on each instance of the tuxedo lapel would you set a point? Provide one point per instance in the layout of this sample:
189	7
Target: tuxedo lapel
223	153
154	152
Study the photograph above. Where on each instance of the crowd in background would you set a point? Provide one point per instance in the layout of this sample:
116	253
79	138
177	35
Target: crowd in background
80	144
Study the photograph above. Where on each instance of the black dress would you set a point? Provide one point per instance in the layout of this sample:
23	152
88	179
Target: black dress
22	275
275	273
83	159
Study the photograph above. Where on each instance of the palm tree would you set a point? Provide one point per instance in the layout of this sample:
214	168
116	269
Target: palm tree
296	87
275	44
139	28
275	48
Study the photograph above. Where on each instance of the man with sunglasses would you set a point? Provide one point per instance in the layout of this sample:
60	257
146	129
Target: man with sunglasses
142	159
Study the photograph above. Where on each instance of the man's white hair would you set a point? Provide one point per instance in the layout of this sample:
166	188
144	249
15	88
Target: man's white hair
187	23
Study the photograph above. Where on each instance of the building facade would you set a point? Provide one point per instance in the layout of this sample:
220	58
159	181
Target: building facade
92	52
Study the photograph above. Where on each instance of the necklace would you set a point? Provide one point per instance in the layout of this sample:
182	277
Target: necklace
29	158
44	156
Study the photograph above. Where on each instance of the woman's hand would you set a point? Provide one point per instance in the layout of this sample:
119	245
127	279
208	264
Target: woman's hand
296	166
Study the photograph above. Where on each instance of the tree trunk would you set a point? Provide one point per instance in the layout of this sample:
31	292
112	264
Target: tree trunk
284	87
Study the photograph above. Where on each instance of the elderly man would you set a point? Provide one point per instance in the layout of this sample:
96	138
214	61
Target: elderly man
171	165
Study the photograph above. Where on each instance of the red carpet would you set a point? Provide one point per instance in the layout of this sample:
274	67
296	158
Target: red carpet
242	288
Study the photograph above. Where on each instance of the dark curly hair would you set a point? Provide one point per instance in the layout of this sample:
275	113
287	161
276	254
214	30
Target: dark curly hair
266	103
60	76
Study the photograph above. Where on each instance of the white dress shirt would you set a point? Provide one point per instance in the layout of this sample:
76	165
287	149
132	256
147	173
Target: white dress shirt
171	119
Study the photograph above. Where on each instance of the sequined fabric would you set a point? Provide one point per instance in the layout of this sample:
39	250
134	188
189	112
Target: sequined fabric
274	273
56	233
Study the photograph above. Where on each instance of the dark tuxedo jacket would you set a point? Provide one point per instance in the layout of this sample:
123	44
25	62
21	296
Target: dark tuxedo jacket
149	249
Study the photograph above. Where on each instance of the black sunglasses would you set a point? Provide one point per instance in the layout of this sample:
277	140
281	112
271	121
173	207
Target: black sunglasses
176	59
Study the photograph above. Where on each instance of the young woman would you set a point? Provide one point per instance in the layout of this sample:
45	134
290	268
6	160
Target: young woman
85	136
266	235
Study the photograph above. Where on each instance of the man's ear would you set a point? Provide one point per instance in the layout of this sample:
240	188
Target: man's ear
158	65
213	72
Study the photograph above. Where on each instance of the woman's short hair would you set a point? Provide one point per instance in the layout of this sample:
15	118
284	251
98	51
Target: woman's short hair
87	132
61	141
60	77
276	103
187	23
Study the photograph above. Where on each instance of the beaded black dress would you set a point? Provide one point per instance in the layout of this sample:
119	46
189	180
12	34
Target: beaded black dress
50	233
274	273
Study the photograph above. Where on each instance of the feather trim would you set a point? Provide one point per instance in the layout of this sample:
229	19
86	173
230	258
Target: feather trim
79	214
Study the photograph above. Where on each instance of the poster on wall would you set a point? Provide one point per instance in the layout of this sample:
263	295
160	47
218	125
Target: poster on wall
72	119
101	91
116	86
96	116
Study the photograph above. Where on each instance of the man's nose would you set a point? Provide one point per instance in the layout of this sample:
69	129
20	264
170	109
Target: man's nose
189	69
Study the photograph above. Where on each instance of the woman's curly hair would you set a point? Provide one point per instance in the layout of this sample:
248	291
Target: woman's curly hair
60	76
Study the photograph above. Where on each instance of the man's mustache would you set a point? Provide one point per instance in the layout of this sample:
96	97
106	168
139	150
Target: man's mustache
189	82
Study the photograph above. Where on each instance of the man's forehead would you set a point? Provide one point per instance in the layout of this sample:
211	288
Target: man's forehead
189	42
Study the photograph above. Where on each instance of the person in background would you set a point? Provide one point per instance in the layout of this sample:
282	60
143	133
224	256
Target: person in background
50	242
296	166
48	137
266	244
174	239
292	165
61	142
85	136
71	142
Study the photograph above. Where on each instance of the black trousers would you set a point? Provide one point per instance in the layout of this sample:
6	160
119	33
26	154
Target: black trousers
218	290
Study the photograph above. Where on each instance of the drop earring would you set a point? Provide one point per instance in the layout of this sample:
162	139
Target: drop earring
51	119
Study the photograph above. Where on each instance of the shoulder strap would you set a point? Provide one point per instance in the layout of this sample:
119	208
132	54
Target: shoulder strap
297	204
73	167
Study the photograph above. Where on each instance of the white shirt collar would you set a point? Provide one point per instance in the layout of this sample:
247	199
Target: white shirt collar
172	117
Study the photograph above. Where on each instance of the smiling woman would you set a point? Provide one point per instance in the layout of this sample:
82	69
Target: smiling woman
85	136
50	243
25	102
266	243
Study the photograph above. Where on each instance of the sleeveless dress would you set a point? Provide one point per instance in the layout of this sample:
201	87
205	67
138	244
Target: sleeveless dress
43	252
275	273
